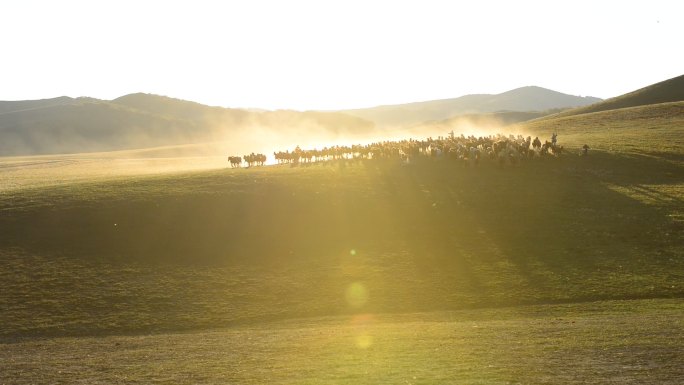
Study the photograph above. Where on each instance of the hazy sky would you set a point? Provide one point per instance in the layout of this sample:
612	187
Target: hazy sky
334	54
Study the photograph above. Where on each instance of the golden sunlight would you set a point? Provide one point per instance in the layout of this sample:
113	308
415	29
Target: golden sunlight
356	295
362	322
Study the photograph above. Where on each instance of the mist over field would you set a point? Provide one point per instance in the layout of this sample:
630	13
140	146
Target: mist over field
266	136
135	123
139	121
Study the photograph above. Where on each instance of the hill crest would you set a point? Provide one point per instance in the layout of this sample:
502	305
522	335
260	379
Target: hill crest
67	125
671	90
523	99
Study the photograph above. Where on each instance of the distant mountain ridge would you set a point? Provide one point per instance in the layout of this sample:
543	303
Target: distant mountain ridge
22	105
68	125
524	99
71	125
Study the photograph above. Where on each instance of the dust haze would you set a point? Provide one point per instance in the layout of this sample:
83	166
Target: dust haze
169	145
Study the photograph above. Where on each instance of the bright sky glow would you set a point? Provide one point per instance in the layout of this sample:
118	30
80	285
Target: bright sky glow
334	54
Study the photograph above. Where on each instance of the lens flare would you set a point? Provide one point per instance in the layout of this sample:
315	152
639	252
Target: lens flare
363	327
356	295
364	341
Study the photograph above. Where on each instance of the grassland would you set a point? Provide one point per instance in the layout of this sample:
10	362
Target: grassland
654	130
600	343
210	249
254	275
667	91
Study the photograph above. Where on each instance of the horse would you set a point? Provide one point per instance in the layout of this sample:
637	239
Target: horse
556	150
585	150
536	143
235	161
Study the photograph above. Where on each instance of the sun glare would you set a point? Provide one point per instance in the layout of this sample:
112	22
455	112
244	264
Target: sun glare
356	295
364	341
362	330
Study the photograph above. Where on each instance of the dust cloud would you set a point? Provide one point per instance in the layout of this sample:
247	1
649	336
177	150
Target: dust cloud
255	133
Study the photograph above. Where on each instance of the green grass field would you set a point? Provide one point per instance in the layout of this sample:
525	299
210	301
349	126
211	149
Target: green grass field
561	270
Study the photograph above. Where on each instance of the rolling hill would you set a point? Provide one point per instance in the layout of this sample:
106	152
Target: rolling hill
649	129
521	99
671	90
23	105
89	127
649	120
66	125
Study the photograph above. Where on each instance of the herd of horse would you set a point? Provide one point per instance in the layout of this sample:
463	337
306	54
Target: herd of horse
251	160
469	150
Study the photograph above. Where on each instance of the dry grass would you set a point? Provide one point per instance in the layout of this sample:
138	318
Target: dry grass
640	342
654	129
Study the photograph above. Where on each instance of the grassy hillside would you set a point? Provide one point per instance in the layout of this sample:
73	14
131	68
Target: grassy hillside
647	130
671	90
216	248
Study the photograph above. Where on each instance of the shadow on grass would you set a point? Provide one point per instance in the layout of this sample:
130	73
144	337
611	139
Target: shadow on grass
282	243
